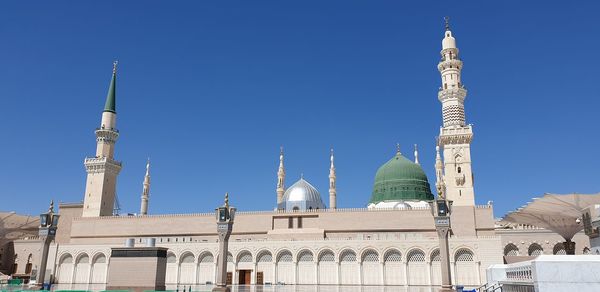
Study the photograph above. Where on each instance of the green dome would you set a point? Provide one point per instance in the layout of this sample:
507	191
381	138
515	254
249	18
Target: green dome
400	180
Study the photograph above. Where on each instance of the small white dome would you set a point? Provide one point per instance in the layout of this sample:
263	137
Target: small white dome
301	196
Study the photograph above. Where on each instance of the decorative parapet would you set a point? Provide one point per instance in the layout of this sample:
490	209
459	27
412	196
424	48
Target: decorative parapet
273	212
101	164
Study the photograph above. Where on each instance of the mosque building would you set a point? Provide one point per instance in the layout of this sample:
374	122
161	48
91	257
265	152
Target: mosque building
306	240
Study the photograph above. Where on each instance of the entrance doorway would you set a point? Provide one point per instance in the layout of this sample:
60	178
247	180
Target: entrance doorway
259	278
244	277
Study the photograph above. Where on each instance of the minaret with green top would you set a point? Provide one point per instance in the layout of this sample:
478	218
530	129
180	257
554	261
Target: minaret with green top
102	170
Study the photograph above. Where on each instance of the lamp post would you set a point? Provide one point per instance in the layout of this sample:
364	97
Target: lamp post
48	224
441	209
225	215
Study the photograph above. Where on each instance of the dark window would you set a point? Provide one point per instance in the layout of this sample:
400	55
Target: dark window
299	222
459	169
291	222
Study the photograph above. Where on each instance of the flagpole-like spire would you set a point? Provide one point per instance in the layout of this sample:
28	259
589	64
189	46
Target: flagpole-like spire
332	181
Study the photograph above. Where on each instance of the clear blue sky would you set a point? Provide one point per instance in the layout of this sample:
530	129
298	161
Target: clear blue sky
211	89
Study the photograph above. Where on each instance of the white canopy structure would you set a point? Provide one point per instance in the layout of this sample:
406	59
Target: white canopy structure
558	213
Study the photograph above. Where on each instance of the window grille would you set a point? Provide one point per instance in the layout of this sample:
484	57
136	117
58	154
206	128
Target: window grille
393	256
245	258
305	256
327	256
207	258
371	256
265	258
416	256
511	250
348	256
171	259
463	255
535	250
559	248
285	256
435	256
188	259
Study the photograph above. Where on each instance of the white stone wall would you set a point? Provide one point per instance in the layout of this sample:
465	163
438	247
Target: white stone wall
362	262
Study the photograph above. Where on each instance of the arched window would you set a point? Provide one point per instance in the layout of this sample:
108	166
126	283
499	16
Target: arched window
326	256
535	250
416	256
245	257
559	248
511	250
392	256
206	257
348	256
463	255
305	256
265	257
435	255
370	256
285	257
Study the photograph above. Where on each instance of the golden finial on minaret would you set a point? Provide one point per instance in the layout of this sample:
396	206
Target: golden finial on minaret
398	149
447	21
115	62
226	200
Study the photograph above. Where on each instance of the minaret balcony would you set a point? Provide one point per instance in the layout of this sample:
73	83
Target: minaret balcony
101	164
456	135
107	135
450	64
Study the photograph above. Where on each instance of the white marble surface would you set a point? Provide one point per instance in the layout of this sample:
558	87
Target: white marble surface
579	273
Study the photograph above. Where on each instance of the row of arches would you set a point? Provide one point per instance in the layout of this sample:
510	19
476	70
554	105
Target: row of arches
82	269
536	249
368	267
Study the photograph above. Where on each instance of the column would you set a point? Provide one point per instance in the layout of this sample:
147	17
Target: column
405	266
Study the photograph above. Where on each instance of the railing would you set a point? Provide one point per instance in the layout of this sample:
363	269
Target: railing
519	278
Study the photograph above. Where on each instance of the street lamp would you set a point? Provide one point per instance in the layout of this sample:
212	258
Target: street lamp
224	215
441	210
48	224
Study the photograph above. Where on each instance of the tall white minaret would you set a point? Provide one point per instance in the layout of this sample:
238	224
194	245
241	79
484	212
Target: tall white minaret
102	170
146	191
455	135
280	178
332	190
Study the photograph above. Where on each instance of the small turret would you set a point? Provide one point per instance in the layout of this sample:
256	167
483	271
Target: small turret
280	178
332	179
146	191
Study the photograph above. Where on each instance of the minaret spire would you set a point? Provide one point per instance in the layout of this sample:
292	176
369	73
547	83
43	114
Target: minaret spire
100	190
416	154
455	134
439	173
332	180
447	21
146	191
280	178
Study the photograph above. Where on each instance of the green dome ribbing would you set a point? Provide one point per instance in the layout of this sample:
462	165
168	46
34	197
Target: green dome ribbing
400	179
